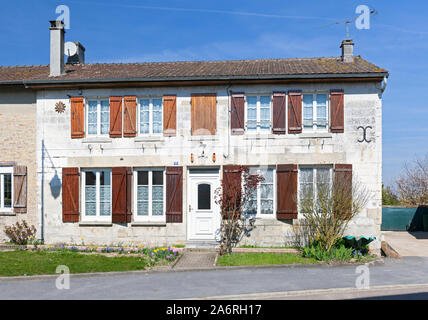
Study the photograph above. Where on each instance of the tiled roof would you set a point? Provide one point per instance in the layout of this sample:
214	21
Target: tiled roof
163	71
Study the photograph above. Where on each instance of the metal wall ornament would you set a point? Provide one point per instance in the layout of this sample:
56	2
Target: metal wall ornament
59	107
364	134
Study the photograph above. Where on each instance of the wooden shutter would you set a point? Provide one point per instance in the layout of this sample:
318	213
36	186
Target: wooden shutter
337	110
20	189
70	194
130	116
169	115
116	117
204	114
294	112
286	179
120	189
343	180
232	176
237	116
128	194
77	118
174	194
278	125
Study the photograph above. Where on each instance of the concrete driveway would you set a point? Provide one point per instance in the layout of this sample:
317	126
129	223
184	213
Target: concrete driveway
407	244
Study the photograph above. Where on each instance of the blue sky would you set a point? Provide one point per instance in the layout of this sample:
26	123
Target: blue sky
137	31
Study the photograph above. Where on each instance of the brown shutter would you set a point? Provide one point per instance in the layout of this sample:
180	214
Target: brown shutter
70	194
174	194
337	110
169	115
20	189
119	209
286	179
294	112
343	178
116	117
129	116
204	114
278	125
77	118
128	194
232	176
237	115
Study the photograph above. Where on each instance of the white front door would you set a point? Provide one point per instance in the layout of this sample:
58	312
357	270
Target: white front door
203	213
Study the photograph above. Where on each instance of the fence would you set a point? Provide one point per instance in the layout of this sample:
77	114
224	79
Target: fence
403	218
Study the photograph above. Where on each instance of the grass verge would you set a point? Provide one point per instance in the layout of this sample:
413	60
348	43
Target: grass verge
261	258
19	263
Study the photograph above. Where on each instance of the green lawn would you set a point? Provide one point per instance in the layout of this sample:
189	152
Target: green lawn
19	263
261	258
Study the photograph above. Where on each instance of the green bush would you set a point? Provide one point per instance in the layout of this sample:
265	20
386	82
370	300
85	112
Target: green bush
337	252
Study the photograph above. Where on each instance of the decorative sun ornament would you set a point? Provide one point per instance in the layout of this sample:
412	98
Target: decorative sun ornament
60	107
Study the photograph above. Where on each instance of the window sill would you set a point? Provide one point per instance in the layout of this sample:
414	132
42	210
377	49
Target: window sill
7	213
203	138
306	135
95	223
149	138
259	136
97	140
148	224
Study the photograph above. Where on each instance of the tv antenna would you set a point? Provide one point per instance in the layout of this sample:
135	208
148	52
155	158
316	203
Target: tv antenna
347	22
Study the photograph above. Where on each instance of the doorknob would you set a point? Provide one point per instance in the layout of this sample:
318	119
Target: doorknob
190	207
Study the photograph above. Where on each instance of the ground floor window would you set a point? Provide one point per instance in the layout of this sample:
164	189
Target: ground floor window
96	194
262	200
312	178
6	174
149	194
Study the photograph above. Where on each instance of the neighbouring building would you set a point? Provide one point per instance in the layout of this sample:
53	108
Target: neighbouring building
116	153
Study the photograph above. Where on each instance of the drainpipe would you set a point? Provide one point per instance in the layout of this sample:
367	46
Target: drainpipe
228	121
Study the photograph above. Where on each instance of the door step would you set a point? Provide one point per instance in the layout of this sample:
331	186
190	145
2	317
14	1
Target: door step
202	244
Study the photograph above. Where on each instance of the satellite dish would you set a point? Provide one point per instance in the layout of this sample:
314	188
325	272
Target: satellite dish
70	49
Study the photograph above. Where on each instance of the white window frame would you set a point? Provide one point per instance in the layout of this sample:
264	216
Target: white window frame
98	100
314	178
3	171
258	129
259	214
149	217
314	112
150	98
97	217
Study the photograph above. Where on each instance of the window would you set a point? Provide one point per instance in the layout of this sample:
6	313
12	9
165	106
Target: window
258	115
6	175
96	195
150	115
149	193
98	117
204	196
261	202
315	112
312	178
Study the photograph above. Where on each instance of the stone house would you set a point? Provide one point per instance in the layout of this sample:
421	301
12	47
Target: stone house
121	153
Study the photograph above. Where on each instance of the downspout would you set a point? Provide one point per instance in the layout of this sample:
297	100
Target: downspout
228	121
42	193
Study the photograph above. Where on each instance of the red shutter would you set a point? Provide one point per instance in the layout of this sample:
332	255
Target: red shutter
169	115
337	111
237	115
232	176
174	194
70	194
129	116
294	112
278	126
286	179
128	194
77	118
119	195
116	117
343	181
20	189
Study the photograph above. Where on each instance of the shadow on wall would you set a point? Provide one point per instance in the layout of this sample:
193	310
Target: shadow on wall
55	185
403	218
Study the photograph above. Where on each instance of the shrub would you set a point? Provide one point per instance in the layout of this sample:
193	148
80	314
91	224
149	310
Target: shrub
337	252
20	233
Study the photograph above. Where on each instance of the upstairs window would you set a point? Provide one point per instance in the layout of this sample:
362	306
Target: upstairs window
315	113
6	174
98	117
258	113
150	116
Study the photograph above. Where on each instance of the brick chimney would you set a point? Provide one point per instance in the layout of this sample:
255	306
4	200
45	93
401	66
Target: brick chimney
347	50
57	48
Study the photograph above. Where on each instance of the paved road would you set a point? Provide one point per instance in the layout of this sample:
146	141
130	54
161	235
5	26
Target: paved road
199	284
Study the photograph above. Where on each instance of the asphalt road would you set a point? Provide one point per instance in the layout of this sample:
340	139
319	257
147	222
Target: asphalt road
223	283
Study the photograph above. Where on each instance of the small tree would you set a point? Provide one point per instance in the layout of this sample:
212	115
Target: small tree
20	233
232	198
328	212
389	198
412	184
